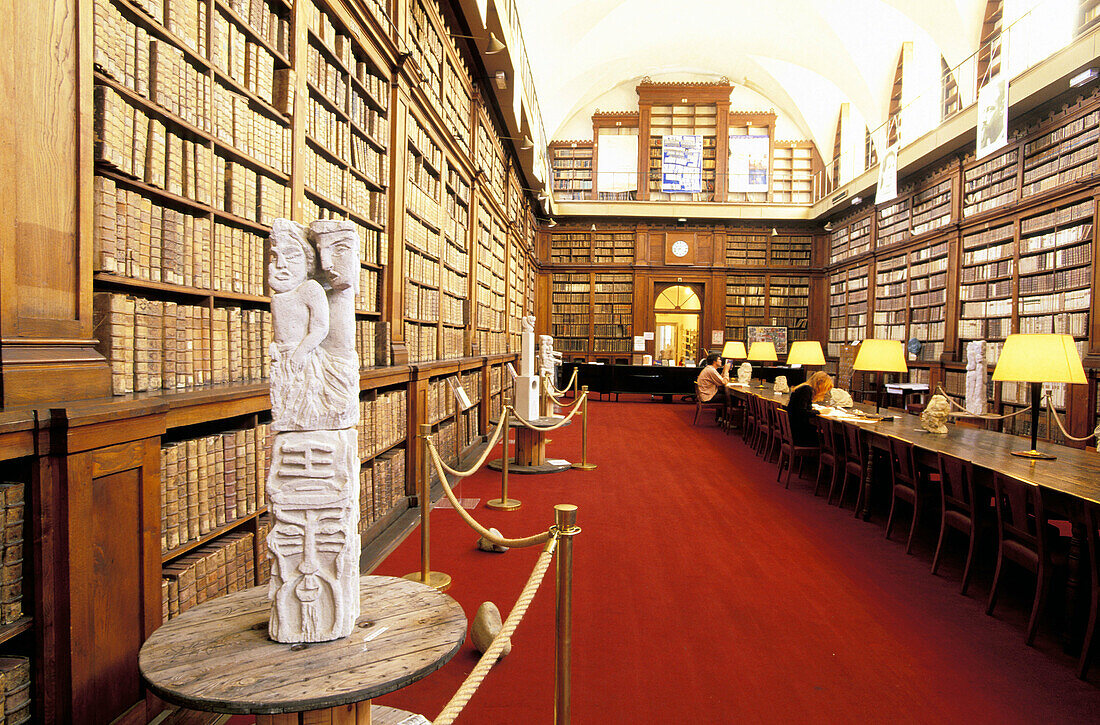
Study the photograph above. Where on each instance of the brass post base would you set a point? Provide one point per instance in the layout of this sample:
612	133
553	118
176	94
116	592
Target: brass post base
1036	455
508	504
436	579
585	466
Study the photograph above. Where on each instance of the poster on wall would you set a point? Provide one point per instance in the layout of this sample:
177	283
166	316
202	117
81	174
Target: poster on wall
681	164
617	163
887	187
993	115
748	167
768	333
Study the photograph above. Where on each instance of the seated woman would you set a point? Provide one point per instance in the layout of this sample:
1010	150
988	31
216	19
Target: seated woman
800	409
710	380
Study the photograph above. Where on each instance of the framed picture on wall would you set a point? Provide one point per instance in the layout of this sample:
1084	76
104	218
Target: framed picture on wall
768	333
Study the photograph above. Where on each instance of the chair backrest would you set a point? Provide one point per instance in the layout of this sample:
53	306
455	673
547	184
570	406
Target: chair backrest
904	469
957	477
784	421
1020	514
826	437
853	446
836	432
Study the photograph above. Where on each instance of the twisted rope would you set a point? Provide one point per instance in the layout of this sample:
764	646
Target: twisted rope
484	454
987	416
454	708
559	424
1058	420
550	385
498	540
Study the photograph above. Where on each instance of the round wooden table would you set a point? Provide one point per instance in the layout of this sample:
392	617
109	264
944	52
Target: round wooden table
530	455
217	657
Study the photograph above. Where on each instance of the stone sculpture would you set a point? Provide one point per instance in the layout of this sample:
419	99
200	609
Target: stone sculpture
485	545
529	323
313	484
744	373
548	358
485	627
934	416
526	397
839	398
976	372
780	385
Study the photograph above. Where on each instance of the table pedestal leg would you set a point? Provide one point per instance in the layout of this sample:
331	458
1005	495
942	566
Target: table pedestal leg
530	447
863	505
361	713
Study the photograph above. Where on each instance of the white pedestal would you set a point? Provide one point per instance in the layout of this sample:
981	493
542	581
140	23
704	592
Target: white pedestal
527	396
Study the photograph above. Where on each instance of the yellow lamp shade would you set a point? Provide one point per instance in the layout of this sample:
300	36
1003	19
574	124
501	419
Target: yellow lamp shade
806	352
1040	359
881	356
733	350
762	351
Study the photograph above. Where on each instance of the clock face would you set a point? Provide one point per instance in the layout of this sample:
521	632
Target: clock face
680	248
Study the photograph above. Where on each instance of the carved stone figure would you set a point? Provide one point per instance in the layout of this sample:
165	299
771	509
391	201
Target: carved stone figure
529	323
337	245
485	627
780	385
744	373
839	398
976	372
526	396
313	488
548	358
485	545
934	417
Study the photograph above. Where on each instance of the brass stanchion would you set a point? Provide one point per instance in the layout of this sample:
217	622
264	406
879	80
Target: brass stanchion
565	517
434	579
504	503
584	465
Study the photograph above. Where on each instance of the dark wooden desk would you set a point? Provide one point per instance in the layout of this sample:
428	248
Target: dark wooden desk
664	380
1070	482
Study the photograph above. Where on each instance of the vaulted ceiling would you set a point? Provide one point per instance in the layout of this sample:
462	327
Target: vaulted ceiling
805	57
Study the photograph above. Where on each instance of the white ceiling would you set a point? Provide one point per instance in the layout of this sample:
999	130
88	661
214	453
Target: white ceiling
805	57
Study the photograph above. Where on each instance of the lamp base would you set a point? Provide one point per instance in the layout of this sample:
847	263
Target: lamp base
1034	454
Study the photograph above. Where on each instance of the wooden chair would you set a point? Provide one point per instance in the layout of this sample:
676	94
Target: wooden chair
906	486
1092	521
958	510
827	458
835	430
748	426
788	451
734	413
714	404
774	435
1026	538
853	463
763	426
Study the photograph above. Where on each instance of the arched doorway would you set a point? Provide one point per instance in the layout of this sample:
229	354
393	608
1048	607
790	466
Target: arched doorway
677	314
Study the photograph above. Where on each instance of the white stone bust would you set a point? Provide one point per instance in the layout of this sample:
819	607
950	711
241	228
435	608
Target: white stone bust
529	323
840	398
780	385
744	373
935	415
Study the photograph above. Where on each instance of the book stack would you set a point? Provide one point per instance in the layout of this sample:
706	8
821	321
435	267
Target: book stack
114	330
15	676
271	28
222	567
263	564
11	571
388	482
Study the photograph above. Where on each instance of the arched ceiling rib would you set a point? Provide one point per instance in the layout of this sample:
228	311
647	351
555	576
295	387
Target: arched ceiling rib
582	49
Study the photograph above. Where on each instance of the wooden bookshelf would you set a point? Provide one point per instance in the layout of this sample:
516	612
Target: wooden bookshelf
612	313
928	299
891	298
991	183
571	247
612	247
1061	154
892	223
746	304
570	311
793	169
790	251
456	265
571	162
746	250
986	276
789	304
931	207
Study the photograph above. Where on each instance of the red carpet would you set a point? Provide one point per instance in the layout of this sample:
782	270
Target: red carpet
706	593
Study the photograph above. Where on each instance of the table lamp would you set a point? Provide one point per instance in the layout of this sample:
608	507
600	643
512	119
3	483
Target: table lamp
733	350
806	352
762	351
1038	359
880	356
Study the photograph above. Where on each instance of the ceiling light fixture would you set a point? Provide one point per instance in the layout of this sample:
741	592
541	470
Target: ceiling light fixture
828	226
775	232
552	223
493	47
856	200
527	144
500	80
1085	76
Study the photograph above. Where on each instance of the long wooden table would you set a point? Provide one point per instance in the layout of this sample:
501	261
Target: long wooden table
1070	482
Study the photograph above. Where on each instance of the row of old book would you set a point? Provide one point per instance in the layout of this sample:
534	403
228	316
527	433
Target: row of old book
257	135
242	59
383	420
139	238
156	345
11	570
381	486
211	481
226	565
15	690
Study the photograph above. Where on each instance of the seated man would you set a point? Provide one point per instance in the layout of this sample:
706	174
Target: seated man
710	381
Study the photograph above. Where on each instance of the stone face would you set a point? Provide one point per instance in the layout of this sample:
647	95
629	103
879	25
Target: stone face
935	415
976	372
744	373
313	490
529	324
780	385
839	398
548	359
485	545
485	627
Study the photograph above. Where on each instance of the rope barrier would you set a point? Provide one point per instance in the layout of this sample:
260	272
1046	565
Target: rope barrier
460	699
556	398
941	391
484	454
1061	427
559	424
484	532
550	386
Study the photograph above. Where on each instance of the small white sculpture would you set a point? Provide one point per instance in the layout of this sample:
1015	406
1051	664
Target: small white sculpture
486	626
313	487
484	544
780	385
934	417
976	372
529	323
744	373
548	358
839	398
